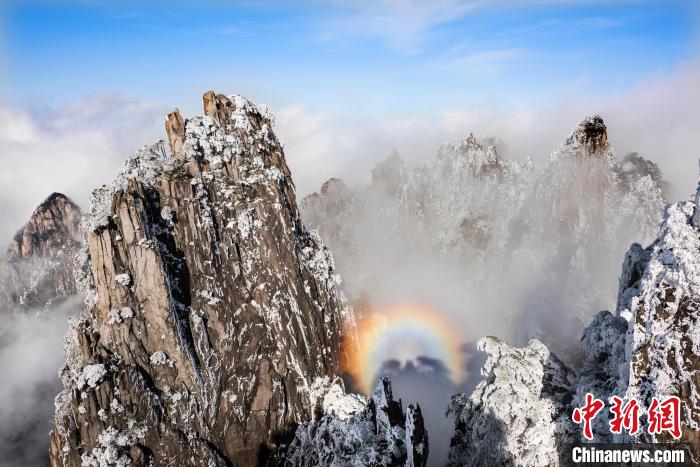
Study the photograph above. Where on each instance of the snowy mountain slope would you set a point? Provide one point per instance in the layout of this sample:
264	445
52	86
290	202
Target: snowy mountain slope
652	344
519	414
375	433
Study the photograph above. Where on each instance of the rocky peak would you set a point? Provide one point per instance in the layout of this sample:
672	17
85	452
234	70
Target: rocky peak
380	434
175	129
518	414
471	142
471	158
214	308
590	138
214	318
53	223
492	155
389	176
334	187
647	349
660	296
37	267
218	106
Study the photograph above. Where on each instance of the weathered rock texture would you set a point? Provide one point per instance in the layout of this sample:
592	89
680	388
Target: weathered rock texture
590	138
213	307
37	269
213	316
373	433
519	414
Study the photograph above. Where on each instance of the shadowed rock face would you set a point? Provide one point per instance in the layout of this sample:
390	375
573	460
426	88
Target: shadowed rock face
590	137
519	414
211	309
37	269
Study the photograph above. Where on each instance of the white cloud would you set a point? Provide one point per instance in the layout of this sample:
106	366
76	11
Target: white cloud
658	118
485	63
71	149
77	147
405	25
402	23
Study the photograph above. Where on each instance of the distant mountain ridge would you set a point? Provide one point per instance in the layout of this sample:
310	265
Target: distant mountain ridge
37	268
553	233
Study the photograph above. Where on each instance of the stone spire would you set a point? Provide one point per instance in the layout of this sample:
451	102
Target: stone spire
175	128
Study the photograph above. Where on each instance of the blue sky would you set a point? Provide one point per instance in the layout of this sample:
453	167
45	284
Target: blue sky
347	57
86	83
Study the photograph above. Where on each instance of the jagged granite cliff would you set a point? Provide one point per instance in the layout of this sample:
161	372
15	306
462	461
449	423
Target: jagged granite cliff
37	269
650	347
354	431
213	318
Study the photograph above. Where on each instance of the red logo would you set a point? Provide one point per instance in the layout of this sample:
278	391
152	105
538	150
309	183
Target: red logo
665	416
587	413
662	416
626	417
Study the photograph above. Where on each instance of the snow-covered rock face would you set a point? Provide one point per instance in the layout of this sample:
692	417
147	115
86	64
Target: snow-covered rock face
590	138
651	347
519	414
211	310
554	233
37	270
377	434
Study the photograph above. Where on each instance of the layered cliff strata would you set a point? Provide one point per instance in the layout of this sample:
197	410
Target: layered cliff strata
651	346
37	269
213	316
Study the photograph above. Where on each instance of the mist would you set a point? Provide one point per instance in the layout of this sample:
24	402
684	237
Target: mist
546	284
73	148
655	116
493	246
31	355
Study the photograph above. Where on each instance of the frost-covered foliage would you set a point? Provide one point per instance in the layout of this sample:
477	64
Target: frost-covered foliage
519	414
92	375
539	246
328	397
112	448
346	433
